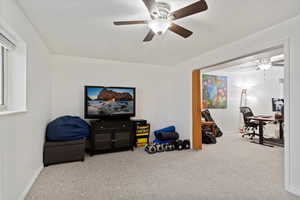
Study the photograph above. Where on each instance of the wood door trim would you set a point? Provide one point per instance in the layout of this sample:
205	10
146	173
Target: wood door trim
196	101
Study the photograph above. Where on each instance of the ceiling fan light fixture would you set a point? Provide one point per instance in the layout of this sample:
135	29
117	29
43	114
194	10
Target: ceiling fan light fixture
159	26
265	66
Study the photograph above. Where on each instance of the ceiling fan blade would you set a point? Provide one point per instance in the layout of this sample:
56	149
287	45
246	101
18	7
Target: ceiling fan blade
194	8
278	61
277	65
180	30
130	22
149	36
151	5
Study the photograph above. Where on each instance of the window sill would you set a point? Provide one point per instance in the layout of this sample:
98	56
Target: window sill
3	113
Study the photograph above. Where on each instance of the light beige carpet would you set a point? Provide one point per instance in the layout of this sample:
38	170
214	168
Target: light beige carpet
233	169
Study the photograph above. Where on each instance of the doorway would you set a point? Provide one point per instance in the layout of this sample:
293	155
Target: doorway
263	66
197	122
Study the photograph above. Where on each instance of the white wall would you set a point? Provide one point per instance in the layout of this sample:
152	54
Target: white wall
22	134
153	84
261	88
287	31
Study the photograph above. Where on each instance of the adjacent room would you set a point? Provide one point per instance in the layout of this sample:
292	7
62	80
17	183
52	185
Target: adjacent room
149	99
243	94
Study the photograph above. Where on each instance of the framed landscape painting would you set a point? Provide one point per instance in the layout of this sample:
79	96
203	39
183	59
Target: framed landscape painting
214	91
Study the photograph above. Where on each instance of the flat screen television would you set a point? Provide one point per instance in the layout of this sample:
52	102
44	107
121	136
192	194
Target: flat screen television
109	102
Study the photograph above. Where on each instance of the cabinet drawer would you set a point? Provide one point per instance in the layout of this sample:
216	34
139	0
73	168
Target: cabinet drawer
125	125
112	125
100	126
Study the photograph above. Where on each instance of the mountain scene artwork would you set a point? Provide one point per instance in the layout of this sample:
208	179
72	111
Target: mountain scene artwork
110	101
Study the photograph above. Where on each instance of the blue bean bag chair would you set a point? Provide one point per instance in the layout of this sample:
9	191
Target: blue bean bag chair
67	128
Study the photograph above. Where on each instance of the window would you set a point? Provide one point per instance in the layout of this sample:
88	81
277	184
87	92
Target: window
5	46
2	77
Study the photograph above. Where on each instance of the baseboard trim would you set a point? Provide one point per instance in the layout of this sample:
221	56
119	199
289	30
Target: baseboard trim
31	182
293	190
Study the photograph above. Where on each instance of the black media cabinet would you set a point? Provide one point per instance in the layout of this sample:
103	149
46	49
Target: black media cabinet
110	136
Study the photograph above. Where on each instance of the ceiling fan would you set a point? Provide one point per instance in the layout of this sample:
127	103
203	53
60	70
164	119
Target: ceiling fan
267	63
162	18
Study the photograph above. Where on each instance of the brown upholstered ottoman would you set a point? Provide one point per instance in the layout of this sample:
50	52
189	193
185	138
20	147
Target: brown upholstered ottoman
63	151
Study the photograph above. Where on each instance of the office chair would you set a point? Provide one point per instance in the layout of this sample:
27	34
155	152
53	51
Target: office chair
249	124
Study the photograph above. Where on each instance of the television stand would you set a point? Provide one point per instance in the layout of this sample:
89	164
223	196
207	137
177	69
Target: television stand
110	135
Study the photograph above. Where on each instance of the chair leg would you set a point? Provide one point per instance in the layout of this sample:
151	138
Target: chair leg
251	132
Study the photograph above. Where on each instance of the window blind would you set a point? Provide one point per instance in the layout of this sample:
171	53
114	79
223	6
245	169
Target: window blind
5	42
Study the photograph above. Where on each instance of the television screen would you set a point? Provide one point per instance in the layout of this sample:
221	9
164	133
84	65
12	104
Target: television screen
277	104
109	102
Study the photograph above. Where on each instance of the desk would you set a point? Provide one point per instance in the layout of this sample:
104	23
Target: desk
212	125
262	120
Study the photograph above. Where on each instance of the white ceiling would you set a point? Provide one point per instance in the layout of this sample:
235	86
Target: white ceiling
84	27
